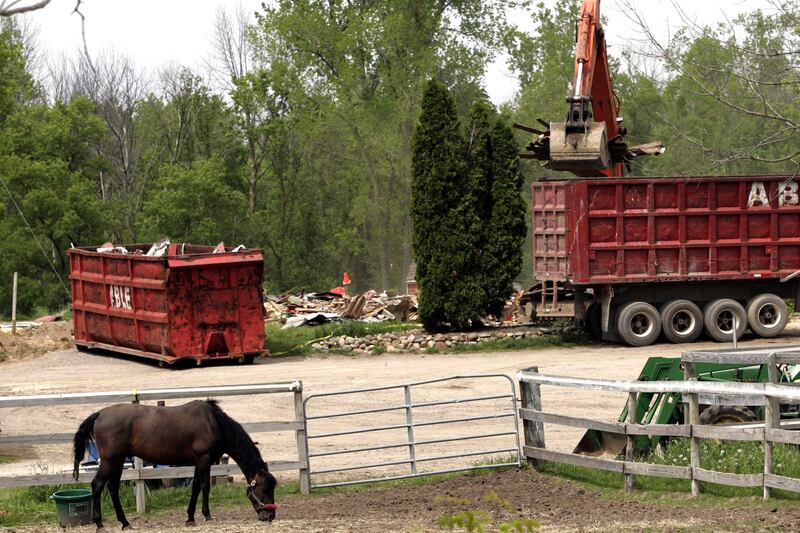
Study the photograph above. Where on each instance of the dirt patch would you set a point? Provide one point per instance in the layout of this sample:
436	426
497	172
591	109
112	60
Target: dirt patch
37	341
559	505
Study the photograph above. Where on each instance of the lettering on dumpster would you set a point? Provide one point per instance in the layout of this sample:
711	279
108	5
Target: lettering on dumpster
120	297
787	194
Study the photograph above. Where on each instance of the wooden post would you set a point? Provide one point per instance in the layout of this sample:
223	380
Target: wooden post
694	420
140	485
629	445
688	373
14	305
531	398
302	444
771	421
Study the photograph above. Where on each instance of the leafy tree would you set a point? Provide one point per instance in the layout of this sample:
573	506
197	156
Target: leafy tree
48	164
194	204
506	228
445	216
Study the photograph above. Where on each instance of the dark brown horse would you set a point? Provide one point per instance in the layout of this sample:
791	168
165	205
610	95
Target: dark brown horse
196	433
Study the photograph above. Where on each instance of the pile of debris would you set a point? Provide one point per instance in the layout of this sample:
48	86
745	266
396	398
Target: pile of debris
420	340
336	306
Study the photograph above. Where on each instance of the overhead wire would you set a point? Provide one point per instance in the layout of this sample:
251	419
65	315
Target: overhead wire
35	238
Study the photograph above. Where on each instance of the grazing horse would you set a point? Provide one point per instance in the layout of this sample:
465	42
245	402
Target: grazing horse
195	433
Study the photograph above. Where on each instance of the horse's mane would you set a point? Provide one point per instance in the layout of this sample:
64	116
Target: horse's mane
238	443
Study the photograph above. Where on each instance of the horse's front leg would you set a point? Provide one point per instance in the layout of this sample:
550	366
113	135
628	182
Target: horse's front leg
193	498
206	477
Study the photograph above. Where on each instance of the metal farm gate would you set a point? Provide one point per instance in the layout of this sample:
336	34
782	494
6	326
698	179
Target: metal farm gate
385	428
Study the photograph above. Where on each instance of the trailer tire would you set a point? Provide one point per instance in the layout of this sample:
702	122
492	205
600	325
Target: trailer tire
720	415
767	315
639	324
681	321
718	319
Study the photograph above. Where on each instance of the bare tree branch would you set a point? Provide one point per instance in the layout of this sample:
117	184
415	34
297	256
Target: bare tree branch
7	8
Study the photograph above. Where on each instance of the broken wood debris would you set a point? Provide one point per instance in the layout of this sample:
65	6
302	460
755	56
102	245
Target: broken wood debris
316	308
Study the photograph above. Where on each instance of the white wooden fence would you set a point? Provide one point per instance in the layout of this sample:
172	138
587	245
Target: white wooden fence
139	474
769	394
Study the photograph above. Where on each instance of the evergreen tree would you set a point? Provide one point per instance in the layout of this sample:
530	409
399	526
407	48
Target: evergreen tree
502	253
445	221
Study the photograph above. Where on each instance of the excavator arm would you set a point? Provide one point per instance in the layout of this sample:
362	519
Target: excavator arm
591	142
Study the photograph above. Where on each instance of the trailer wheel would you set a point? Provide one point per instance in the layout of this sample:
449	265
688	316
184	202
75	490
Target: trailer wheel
767	315
719	317
681	321
721	415
639	324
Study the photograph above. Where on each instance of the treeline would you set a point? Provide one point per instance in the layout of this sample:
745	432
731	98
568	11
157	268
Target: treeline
300	140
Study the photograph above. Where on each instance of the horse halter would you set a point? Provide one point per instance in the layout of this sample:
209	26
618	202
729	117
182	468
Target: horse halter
257	503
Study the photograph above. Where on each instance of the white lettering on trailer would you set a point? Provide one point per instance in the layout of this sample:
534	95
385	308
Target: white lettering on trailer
120	297
758	194
787	194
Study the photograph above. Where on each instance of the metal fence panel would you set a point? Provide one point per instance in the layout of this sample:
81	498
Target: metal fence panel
411	421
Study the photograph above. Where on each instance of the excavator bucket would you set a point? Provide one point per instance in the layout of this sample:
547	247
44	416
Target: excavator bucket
583	150
604	444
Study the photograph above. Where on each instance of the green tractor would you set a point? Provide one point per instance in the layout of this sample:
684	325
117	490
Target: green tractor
667	408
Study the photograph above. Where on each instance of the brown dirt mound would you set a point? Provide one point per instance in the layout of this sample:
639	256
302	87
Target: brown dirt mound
33	342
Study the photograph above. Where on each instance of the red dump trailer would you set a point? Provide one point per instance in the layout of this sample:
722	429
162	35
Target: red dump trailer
190	302
632	258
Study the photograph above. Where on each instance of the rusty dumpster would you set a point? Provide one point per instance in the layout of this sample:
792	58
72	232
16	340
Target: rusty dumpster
191	302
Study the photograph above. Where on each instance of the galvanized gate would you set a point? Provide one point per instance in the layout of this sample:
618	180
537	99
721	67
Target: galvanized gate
498	423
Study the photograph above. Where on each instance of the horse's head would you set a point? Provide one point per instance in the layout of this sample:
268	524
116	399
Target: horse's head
261	493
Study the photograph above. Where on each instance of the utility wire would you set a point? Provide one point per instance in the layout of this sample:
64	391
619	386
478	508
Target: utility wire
35	238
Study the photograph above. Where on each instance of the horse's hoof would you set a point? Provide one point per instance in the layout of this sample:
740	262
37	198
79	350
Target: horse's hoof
191	523
209	519
127	526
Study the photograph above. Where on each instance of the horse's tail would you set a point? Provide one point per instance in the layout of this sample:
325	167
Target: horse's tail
84	434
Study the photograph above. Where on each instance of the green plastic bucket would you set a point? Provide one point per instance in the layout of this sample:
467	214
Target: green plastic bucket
74	507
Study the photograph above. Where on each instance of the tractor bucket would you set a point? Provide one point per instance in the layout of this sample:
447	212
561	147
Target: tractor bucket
584	150
601	444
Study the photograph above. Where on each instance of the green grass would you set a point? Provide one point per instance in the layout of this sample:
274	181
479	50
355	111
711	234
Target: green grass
7	458
32	505
298	341
720	456
566	340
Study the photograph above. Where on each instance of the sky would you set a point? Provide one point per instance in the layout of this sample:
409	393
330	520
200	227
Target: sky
157	32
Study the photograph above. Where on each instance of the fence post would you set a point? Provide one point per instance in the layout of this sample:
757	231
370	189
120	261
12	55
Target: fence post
14	305
302	443
629	445
412	448
531	398
771	421
694	420
139	485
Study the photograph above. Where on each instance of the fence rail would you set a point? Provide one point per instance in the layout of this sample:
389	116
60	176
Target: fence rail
139	474
770	395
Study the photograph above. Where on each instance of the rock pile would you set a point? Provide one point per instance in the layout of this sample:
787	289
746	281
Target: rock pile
419	340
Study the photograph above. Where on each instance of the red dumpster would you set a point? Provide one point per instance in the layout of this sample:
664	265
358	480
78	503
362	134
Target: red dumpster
190	302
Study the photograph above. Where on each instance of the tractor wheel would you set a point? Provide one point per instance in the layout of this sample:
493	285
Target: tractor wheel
720	415
639	324
681	321
594	321
719	317
767	315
